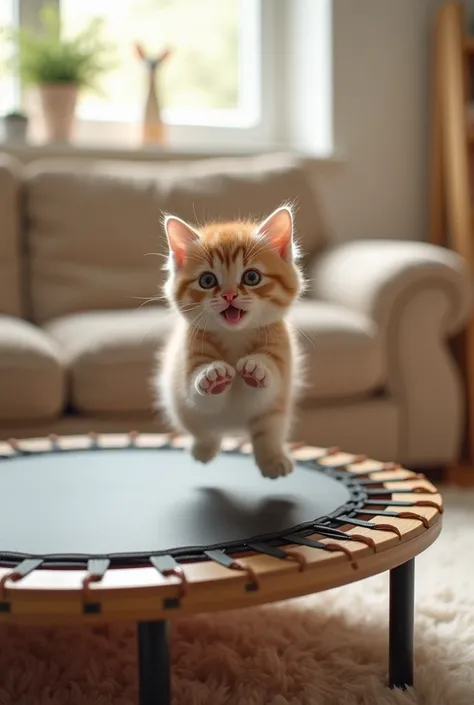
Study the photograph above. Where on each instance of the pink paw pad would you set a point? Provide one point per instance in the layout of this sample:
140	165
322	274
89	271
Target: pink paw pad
254	373
215	378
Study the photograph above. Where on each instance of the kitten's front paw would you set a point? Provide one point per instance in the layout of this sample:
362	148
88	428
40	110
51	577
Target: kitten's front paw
215	378
254	372
276	466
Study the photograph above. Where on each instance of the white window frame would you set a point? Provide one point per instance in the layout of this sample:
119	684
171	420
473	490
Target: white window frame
11	98
286	104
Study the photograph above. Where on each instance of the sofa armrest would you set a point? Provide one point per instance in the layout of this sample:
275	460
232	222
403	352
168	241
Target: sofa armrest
374	276
419	296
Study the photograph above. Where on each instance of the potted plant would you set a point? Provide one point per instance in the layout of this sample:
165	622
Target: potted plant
15	126
59	67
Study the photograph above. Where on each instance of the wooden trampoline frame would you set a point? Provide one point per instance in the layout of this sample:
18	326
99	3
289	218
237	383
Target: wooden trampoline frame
400	520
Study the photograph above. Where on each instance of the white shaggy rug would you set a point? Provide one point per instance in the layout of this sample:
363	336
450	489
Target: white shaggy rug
328	649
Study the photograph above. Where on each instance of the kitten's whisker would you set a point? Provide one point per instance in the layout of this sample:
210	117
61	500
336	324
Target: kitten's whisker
156	338
208	257
201	258
149	301
258	242
194	330
305	335
165	255
187	307
195	327
149	298
195	334
204	335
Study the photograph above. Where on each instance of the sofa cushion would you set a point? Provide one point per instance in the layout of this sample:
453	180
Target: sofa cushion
112	354
344	355
32	379
111	357
92	225
10	288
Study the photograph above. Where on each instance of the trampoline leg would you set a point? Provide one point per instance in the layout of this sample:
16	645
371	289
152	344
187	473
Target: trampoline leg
402	598
153	664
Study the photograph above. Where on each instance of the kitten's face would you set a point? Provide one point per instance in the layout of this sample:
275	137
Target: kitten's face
233	276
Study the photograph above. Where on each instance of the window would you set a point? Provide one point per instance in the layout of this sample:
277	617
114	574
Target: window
8	85
207	80
242	75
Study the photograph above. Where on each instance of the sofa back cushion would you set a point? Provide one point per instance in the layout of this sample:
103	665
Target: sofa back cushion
10	282
93	225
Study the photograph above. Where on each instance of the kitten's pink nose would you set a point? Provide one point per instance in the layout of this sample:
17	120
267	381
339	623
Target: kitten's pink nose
229	296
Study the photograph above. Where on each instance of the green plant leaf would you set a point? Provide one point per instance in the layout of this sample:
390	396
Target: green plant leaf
49	57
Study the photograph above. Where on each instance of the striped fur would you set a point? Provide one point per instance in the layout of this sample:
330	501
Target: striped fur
231	362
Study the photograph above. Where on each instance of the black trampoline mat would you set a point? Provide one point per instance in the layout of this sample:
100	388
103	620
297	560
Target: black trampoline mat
148	501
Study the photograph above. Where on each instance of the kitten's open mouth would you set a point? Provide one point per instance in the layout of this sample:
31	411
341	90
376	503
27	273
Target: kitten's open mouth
232	314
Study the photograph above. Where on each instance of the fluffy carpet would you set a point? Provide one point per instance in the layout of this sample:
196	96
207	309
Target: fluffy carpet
328	649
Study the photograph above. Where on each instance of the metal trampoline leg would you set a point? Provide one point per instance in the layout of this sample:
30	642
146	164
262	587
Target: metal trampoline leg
402	599
153	664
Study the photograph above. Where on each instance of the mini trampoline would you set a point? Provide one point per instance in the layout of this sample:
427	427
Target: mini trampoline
119	527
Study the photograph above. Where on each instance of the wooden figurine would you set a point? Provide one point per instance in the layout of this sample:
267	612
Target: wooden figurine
153	130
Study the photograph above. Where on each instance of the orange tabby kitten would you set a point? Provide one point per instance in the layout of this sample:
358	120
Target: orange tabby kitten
230	363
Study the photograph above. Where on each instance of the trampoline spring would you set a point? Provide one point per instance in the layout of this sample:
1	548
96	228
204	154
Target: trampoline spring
222	558
168	568
430	503
13	577
280	553
315	543
420	489
253	583
363	539
343	549
389	528
297	558
27	566
289	555
96	569
414	515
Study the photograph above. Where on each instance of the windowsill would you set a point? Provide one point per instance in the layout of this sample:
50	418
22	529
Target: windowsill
31	150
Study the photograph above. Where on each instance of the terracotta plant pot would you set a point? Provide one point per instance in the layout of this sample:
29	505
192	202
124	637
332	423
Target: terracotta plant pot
58	104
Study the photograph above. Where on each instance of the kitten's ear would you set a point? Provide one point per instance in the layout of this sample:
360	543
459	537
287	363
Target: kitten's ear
278	230
179	235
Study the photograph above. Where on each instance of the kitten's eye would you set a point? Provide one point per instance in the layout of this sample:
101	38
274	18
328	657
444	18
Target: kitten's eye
251	277
207	280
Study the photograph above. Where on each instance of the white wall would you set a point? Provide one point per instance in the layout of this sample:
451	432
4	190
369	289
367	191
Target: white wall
381	58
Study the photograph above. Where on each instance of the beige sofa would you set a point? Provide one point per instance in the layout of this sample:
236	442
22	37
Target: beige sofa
79	258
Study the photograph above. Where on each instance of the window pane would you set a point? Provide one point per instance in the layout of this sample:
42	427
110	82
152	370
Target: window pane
201	73
8	92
